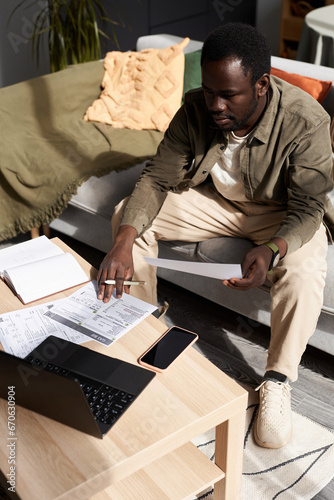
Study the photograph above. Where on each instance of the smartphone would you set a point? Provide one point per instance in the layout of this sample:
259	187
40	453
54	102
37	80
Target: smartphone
167	348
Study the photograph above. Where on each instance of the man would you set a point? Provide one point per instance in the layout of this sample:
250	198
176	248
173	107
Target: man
264	146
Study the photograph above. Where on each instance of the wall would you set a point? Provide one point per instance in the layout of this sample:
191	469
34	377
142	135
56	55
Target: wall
193	18
16	60
268	15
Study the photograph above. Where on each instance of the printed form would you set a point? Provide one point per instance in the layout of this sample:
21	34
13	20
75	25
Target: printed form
23	330
79	318
105	323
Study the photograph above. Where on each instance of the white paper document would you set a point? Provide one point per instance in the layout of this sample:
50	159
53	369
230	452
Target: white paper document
23	330
105	323
78	318
209	269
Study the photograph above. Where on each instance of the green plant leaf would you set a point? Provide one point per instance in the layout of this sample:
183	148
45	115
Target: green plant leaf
74	29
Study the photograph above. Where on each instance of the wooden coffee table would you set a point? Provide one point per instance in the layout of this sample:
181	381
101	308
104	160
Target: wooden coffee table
147	454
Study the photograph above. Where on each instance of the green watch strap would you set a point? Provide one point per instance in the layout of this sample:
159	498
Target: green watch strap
272	246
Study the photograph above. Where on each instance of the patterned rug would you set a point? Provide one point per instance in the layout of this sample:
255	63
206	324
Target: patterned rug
299	470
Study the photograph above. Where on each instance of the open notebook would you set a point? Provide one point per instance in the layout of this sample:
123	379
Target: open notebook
38	268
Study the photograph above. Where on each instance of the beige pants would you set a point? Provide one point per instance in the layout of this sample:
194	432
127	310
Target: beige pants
298	281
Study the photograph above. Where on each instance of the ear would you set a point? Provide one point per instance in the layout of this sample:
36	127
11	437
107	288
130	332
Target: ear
262	85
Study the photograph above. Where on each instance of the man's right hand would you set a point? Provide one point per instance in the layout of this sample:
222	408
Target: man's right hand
117	264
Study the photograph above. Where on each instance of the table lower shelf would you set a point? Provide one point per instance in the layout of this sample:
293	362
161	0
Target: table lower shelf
178	475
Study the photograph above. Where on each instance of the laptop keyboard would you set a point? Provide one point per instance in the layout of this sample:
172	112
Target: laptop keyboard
106	402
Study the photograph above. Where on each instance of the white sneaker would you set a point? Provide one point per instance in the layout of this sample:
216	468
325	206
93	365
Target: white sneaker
273	425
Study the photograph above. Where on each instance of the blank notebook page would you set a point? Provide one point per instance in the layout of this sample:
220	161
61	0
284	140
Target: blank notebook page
28	251
45	277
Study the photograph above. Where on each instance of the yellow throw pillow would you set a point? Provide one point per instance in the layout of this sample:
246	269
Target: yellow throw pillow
141	90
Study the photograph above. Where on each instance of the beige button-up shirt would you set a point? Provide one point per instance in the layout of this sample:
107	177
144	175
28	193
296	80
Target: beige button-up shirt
286	161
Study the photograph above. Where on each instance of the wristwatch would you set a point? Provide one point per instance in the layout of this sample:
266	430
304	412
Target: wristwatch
276	256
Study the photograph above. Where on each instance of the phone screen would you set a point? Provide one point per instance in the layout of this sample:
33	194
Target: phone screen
168	348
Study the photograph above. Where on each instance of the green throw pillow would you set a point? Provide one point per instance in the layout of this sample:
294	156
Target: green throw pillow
192	71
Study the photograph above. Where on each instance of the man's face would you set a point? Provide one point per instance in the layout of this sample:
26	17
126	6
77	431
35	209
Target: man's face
231	99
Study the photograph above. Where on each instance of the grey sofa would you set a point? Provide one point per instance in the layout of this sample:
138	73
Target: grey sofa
87	218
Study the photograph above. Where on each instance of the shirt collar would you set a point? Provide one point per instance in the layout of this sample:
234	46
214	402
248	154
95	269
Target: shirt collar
264	128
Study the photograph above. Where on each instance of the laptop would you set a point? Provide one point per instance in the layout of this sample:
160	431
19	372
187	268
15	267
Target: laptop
72	384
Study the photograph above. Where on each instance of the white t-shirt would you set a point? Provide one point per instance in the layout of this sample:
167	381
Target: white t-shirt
226	172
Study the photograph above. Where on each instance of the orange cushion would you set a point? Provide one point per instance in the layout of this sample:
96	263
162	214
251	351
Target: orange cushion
316	88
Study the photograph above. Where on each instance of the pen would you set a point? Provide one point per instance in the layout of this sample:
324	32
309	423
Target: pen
113	282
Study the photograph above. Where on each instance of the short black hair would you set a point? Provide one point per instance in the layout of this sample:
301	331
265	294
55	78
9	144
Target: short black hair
240	41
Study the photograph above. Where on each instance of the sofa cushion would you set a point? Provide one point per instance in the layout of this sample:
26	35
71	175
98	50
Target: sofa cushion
316	88
141	90
192	71
183	249
223	249
231	250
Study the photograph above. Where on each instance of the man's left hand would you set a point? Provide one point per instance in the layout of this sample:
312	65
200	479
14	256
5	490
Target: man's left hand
255	265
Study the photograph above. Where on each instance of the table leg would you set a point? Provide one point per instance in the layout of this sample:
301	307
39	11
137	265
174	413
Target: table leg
46	230
229	457
34	233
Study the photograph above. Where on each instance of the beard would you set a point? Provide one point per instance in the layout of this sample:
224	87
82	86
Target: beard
237	124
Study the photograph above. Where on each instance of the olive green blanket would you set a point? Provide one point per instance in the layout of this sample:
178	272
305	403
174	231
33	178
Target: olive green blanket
48	151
